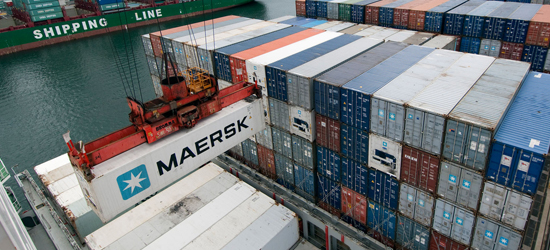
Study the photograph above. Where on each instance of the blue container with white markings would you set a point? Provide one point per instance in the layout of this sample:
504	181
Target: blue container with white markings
304	181
311	8
354	175
470	45
522	141
536	55
495	22
329	192
433	22
321	8
381	220
412	235
454	19
328	163
474	21
358	10
354	143
517	23
285	171
383	188
276	72
327	86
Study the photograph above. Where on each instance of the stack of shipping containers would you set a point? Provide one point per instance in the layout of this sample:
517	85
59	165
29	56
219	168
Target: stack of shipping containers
40	10
107	5
419	148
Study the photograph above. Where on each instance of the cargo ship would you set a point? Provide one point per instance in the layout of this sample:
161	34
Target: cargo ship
37	34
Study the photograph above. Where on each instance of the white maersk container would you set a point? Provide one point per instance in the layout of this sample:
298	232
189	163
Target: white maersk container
209	209
385	155
127	179
255	67
61	183
302	122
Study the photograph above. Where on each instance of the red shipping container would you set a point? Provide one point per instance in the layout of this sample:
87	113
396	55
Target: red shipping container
354	205
539	28
419	169
155	36
401	13
372	10
328	132
511	51
237	61
417	14
441	242
266	160
379	237
329	208
300	7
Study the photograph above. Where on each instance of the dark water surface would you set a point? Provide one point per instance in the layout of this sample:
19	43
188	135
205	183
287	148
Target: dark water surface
76	86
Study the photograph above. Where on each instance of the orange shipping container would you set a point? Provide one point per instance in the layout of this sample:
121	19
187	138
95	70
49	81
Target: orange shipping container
539	28
417	15
372	11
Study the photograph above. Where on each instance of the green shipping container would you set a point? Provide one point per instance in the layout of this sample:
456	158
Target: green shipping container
41	5
44	11
37	1
46	16
112	6
344	10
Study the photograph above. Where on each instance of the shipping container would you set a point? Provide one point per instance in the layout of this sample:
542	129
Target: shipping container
158	163
470	128
333	10
265	138
426	112
303	152
453	221
512	51
490	47
313	24
442	42
344	10
302	122
502	204
386	12
354	176
401	13
372	11
354	29
539	28
470	45
237	152
517	24
304	181
327	86
300	79
385	155
283	18
383	188
285	171
387	116
327	133
546	68
321	8
266	162
442	242
356	94
492	235
454	19
329	192
250	153
327	25
474	21
419	169
411	235
434	18
520	148
416	204
419	38
358	10
381	219
328	163
341	26
535	55
460	185
301	8
255	67
354	143
196	213
282	142
279	114
146	41
495	22
354	205
311	10
276	72
377	32
401	36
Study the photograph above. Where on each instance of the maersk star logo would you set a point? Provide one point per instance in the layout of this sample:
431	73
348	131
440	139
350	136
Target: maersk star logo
133	182
452	179
459	221
466	184
488	234
446	215
503	241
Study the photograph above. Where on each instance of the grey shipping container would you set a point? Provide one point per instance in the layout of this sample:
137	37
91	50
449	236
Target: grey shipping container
453	221
419	38
354	29
282	142
411	235
471	124
300	79
279	114
459	185
416	204
506	205
285	171
442	42
303	152
250	152
491	235
426	112
265	138
490	47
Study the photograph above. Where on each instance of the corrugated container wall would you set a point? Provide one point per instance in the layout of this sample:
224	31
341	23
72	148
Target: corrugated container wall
354	143
333	9
279	114
329	192
381	219
285	171
344	10
490	47
435	17
454	19
383	189
520	148
453	221
266	162
372	11
491	235
474	21
501	204
304	180
470	44
539	28
512	51
411	235
354	175
265	138
321	9
282	142
303	152
536	55
495	22
517	24
470	127
301	8
327	132
385	155
442	242
250	153
416	204
328	163
419	169
386	13
354	205
460	185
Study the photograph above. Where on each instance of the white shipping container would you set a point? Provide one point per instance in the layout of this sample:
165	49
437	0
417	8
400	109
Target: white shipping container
327	25
442	42
54	169
265	138
385	155
302	122
506	205
281	19
377	32
146	40
255	67
401	36
492	200
128	178
340	27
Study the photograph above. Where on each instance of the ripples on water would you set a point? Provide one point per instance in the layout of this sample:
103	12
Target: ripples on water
76	86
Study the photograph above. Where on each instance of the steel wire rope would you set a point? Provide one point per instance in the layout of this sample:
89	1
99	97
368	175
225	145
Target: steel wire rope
126	49
133	57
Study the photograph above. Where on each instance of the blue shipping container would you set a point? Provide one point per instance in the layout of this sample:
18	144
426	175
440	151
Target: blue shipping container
311	9
321	8
327	86
474	21
495	22
358	11
411	235
522	141
433	22
304	181
383	188
356	94
329	192
313	24
298	21
221	56
470	45
454	19
354	143
536	55
328	163
517	24
381	220
276	72
354	176
284	169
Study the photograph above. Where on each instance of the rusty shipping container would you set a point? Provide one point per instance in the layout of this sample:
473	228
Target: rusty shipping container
266	160
441	242
417	14
354	205
372	11
401	13
539	28
328	132
301	8
511	51
420	169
